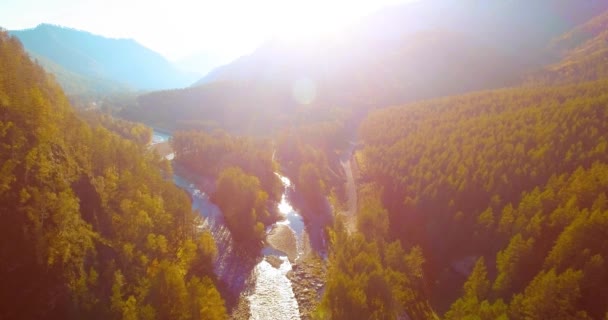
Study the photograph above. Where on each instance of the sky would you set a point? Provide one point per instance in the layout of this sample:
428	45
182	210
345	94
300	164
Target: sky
182	28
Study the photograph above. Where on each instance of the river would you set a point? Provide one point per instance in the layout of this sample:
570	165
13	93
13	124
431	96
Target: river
267	288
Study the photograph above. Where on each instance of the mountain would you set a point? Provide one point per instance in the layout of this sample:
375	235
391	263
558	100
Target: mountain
517	30
413	51
77	84
501	192
582	54
105	64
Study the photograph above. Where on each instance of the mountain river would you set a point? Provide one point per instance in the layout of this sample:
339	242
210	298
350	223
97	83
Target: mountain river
267	288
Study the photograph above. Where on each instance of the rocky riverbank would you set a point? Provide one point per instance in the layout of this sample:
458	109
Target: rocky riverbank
308	282
241	311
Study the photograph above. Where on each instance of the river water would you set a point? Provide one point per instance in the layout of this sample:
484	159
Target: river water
267	289
273	296
159	137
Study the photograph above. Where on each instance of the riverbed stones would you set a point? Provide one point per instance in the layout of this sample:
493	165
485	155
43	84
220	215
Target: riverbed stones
308	279
274	261
283	239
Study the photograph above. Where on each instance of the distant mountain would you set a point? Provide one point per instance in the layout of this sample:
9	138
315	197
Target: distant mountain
519	29
582	54
84	62
408	52
77	84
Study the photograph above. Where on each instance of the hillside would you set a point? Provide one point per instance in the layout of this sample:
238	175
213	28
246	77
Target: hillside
78	85
105	63
90	228
401	54
280	81
582	55
513	179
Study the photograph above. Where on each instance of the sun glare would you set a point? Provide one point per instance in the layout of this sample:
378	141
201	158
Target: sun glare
307	20
227	28
312	19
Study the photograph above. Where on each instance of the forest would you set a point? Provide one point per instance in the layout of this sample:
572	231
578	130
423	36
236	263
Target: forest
467	204
514	179
370	276
308	154
247	189
91	228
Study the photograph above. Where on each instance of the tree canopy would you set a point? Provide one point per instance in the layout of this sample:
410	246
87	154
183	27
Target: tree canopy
90	227
516	176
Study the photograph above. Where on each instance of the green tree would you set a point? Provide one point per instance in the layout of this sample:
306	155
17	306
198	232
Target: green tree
550	296
243	204
372	218
205	300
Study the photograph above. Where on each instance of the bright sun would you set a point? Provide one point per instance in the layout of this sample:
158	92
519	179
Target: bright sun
312	19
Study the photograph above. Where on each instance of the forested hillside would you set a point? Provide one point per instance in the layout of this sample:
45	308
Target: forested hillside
583	55
514	179
79	85
91	228
136	132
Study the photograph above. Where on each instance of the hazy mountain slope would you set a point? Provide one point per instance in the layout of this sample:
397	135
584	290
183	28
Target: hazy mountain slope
408	52
582	33
78	84
121	61
225	104
582	54
518	28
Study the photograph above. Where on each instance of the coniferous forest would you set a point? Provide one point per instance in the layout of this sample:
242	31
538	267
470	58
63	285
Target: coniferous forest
438	160
90	227
513	180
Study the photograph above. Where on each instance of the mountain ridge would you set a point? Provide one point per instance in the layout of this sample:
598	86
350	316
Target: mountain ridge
123	62
419	52
581	55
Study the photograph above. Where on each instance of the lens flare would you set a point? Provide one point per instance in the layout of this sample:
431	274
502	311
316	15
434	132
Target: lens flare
304	91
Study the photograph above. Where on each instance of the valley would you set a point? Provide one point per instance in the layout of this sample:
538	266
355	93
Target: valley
433	159
264	289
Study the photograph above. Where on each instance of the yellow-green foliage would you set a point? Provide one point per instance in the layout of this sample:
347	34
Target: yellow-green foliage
89	228
208	154
517	176
373	280
243	204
